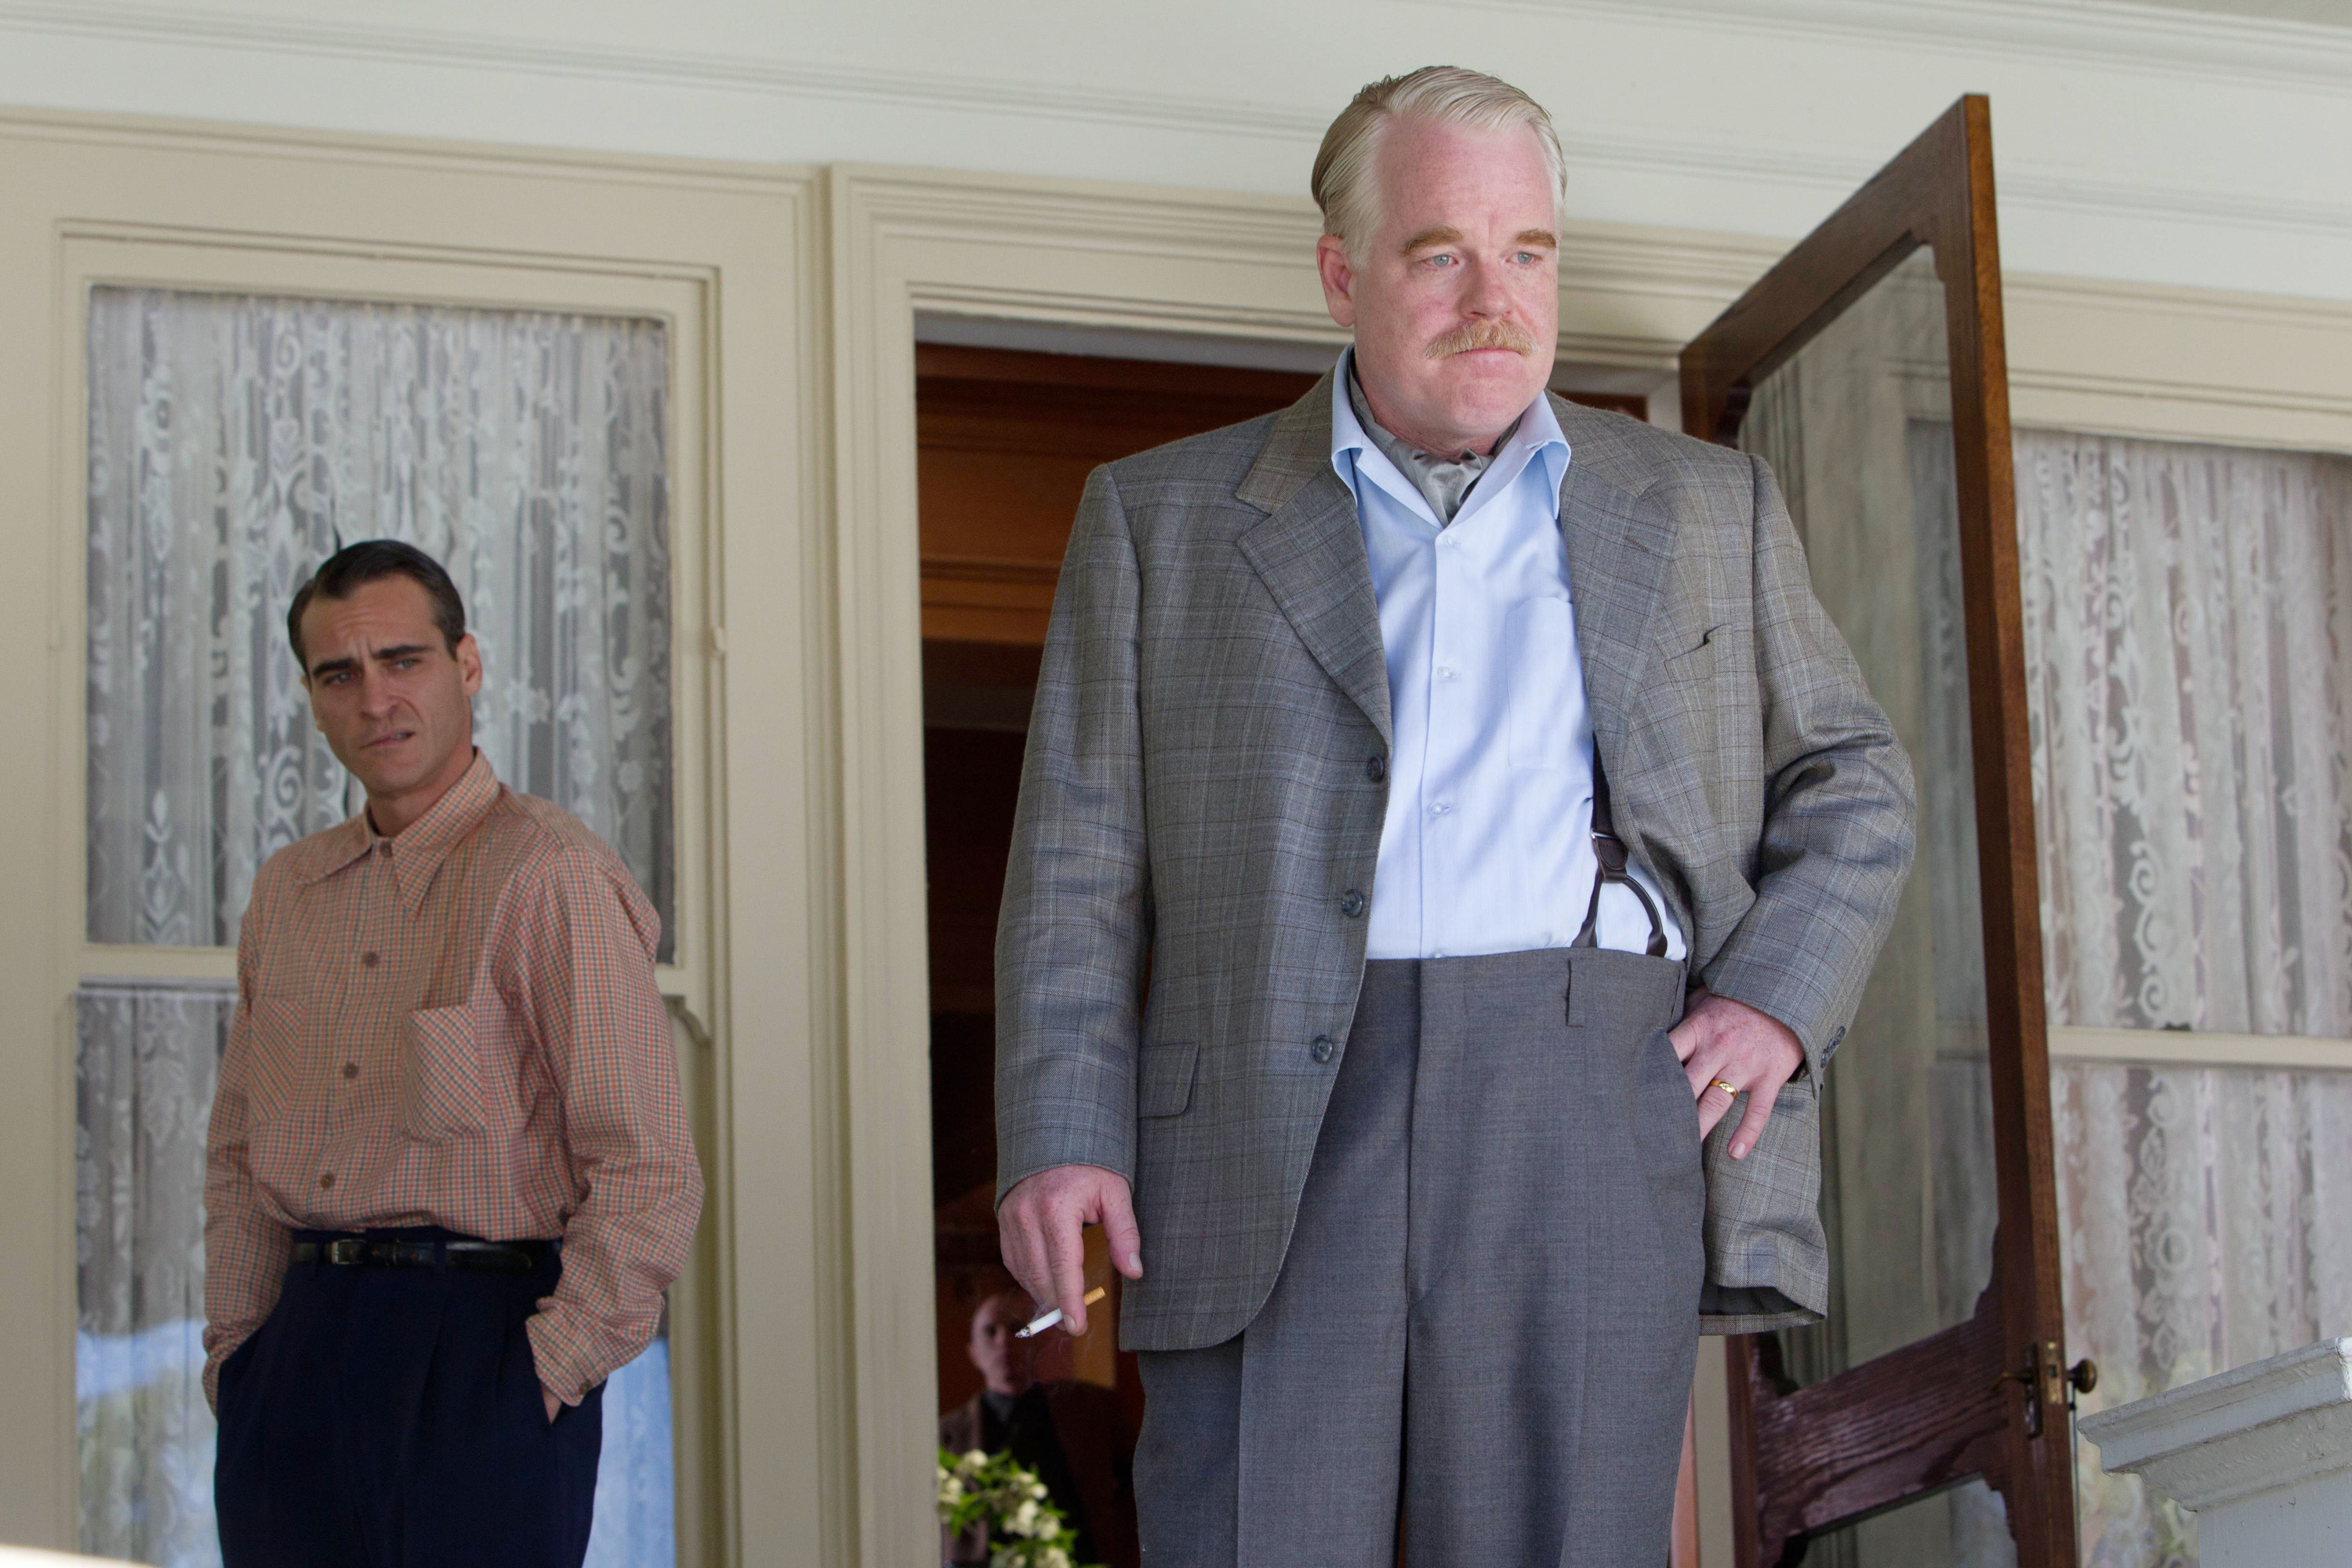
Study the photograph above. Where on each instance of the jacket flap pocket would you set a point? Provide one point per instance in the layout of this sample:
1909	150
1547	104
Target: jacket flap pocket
1696	662
1164	1084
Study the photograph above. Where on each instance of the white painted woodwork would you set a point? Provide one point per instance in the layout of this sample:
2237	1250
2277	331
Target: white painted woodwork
2263	1454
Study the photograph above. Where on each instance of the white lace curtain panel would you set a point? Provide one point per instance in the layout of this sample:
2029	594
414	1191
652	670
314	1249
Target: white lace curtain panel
237	442
2186	619
233	443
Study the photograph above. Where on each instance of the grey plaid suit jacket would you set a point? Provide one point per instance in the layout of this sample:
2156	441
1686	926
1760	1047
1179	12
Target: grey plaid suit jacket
1203	786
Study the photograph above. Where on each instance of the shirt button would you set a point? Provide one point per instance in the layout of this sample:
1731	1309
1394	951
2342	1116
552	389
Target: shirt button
1440	808
1322	1048
368	959
1351	903
350	1069
1444	672
328	1179
1376	768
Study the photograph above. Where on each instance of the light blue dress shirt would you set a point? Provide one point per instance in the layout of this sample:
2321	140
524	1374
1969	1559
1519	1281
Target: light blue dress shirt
1488	845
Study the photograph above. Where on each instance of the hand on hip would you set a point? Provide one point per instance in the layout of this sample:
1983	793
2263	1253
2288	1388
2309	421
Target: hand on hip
1729	1048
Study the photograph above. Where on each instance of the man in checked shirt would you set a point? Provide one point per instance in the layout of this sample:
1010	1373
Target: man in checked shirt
449	1173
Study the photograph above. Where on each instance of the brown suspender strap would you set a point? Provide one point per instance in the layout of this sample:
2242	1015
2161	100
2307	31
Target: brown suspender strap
1609	850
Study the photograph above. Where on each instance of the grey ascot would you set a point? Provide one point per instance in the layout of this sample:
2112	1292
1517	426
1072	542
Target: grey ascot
1444	482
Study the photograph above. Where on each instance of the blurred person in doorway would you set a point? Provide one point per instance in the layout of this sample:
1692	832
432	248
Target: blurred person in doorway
1072	1434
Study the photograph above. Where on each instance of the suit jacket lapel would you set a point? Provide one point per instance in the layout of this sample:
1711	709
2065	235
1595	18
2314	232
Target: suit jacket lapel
1619	546
1309	552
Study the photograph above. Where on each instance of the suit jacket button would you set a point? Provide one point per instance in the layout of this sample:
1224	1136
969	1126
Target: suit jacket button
1322	1048
1376	768
1351	904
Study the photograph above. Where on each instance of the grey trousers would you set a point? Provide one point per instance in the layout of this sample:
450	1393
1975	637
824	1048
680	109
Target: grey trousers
1487	1318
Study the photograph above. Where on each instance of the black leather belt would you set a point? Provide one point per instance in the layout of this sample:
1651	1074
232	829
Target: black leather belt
468	1256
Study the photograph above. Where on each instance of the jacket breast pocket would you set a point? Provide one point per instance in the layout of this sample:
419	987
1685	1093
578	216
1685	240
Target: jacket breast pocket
1163	1084
440	1078
1538	652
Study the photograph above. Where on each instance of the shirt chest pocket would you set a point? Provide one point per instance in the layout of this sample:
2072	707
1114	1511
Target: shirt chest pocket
441	1079
1542	684
276	1062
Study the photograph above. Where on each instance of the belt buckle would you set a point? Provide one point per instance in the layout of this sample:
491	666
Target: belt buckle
344	1250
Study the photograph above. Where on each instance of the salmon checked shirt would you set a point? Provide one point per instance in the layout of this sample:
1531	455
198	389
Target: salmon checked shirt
458	1027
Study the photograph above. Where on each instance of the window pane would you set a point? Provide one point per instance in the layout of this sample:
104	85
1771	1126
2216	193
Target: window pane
1857	426
1965	1526
146	1062
235	442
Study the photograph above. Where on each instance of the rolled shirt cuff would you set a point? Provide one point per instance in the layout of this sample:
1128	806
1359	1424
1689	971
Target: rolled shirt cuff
568	1362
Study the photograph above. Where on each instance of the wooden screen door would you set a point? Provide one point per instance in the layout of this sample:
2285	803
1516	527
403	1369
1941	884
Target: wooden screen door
1927	1422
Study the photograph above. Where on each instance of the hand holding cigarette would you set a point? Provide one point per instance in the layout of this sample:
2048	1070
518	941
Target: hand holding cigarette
1040	1324
1042	1223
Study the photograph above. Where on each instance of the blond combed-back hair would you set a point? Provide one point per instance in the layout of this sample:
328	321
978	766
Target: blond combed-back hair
1343	183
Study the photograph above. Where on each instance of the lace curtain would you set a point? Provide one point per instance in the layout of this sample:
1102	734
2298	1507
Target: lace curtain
237	442
2187	644
233	443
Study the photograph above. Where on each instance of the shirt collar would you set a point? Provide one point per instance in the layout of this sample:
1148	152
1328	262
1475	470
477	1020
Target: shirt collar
415	853
1536	439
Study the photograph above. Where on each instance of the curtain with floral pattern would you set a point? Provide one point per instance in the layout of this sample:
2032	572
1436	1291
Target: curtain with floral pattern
235	442
2188	641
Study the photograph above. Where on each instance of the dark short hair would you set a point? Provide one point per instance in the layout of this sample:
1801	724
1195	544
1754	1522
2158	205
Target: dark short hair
371	561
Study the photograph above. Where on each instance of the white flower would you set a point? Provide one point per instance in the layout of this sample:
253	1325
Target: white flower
1037	1490
1023	1520
1054	1558
972	1461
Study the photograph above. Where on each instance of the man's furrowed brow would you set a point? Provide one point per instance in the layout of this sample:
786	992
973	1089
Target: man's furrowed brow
400	650
1432	237
332	666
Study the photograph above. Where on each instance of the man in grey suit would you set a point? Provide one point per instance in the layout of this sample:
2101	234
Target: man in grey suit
1493	810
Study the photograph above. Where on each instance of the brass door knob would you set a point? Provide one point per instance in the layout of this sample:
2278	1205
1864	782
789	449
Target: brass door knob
2086	1375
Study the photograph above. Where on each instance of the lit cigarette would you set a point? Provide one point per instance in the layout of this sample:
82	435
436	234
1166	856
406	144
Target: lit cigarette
1039	1325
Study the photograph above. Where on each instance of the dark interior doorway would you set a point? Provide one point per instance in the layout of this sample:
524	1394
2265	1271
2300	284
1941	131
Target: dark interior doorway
1005	440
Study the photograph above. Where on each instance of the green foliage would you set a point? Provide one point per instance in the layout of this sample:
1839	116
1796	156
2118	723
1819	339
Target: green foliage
1024	1529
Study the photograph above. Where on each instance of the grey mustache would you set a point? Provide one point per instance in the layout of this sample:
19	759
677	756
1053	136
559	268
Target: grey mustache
1475	335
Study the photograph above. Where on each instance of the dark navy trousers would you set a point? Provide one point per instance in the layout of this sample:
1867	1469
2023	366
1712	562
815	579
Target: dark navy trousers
392	1418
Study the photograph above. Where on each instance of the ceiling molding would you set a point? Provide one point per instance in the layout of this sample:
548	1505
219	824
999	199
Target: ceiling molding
378	43
2317	54
2109	33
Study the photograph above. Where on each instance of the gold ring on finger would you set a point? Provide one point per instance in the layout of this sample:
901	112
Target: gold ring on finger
1728	1087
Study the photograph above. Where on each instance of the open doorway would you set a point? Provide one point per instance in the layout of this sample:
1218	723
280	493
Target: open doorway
1005	439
